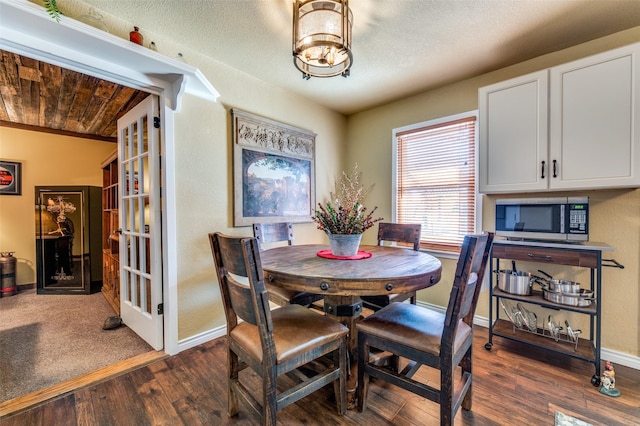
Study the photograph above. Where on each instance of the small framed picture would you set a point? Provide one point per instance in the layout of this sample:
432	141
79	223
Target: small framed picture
10	178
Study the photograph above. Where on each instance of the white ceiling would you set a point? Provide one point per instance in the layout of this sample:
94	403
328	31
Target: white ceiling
400	47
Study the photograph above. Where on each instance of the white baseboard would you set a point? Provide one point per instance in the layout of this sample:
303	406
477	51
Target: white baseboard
207	336
605	354
620	358
201	338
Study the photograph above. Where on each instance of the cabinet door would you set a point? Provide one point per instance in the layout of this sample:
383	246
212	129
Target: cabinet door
513	134
595	121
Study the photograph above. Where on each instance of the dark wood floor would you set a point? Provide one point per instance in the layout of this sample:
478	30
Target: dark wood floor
513	384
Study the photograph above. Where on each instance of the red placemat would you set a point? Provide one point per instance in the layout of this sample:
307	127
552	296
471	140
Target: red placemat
360	255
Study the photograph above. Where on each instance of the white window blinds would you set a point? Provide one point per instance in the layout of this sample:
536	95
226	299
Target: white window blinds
436	181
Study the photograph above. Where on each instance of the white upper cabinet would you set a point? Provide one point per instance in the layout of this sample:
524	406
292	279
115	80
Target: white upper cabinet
513	134
573	127
595	121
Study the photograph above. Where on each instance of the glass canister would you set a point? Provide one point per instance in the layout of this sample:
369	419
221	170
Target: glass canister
94	19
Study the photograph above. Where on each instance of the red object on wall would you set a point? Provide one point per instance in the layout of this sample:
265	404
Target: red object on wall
135	36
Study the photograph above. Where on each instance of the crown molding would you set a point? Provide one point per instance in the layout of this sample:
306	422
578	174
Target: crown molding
27	29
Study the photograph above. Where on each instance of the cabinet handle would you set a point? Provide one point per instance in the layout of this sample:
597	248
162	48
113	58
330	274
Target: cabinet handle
545	257
555	169
542	171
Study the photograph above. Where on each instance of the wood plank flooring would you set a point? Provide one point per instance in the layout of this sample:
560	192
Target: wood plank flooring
24	402
513	384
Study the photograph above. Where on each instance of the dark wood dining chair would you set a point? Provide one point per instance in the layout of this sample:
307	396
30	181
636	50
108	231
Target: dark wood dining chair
268	235
426	337
272	343
400	233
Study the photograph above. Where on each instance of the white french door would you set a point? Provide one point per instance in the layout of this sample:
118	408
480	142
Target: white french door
140	222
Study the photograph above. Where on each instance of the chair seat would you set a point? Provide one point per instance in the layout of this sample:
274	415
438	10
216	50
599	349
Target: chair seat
283	296
296	330
412	326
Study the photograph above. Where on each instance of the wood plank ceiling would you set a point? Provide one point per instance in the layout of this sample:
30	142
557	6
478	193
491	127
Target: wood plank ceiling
38	96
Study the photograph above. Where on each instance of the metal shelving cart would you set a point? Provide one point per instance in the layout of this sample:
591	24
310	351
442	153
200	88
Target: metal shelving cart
570	343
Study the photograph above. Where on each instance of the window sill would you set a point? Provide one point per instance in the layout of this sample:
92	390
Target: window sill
441	254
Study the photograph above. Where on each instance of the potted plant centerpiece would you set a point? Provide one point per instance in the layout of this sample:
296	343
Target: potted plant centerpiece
344	217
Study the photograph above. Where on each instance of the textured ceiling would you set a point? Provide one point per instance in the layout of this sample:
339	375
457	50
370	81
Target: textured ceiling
401	47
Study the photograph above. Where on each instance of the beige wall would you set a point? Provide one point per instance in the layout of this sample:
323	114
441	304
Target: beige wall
203	163
47	159
204	178
203	167
615	215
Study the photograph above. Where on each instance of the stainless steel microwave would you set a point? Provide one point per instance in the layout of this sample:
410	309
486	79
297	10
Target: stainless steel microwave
553	218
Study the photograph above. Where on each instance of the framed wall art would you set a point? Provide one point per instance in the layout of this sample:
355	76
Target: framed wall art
273	171
10	178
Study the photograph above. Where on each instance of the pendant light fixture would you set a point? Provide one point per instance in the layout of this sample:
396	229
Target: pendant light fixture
322	37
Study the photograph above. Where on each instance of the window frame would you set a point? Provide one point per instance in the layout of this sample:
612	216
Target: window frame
394	172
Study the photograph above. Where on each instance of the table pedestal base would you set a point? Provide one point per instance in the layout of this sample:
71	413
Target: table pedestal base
347	310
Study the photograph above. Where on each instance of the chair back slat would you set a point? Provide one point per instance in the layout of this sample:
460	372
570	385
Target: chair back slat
400	233
467	282
240	300
241	280
466	303
268	233
459	281
231	258
480	266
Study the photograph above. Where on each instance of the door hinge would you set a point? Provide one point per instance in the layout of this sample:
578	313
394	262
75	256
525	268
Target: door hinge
161	309
156	122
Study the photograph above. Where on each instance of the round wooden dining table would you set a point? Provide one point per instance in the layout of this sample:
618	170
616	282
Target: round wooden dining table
342	282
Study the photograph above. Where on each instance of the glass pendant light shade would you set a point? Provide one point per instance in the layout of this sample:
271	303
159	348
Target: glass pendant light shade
322	37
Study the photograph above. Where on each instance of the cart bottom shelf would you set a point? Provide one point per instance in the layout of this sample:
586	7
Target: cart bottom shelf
584	350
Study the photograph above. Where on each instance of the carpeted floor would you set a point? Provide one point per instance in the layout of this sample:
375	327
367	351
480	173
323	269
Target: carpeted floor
47	339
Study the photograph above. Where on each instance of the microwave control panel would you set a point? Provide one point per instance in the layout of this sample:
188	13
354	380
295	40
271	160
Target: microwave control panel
578	218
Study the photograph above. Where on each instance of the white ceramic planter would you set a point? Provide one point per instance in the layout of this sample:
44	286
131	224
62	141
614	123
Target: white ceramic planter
344	244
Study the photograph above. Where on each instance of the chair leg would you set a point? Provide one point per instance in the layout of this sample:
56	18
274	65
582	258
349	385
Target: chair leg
467	368
340	385
446	396
233	369
269	396
395	363
363	378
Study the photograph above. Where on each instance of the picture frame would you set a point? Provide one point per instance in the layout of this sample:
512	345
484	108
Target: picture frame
10	178
273	171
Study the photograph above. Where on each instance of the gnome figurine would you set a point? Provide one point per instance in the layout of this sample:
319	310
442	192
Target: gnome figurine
608	381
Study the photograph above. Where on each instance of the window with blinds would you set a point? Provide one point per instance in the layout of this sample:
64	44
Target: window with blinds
436	179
